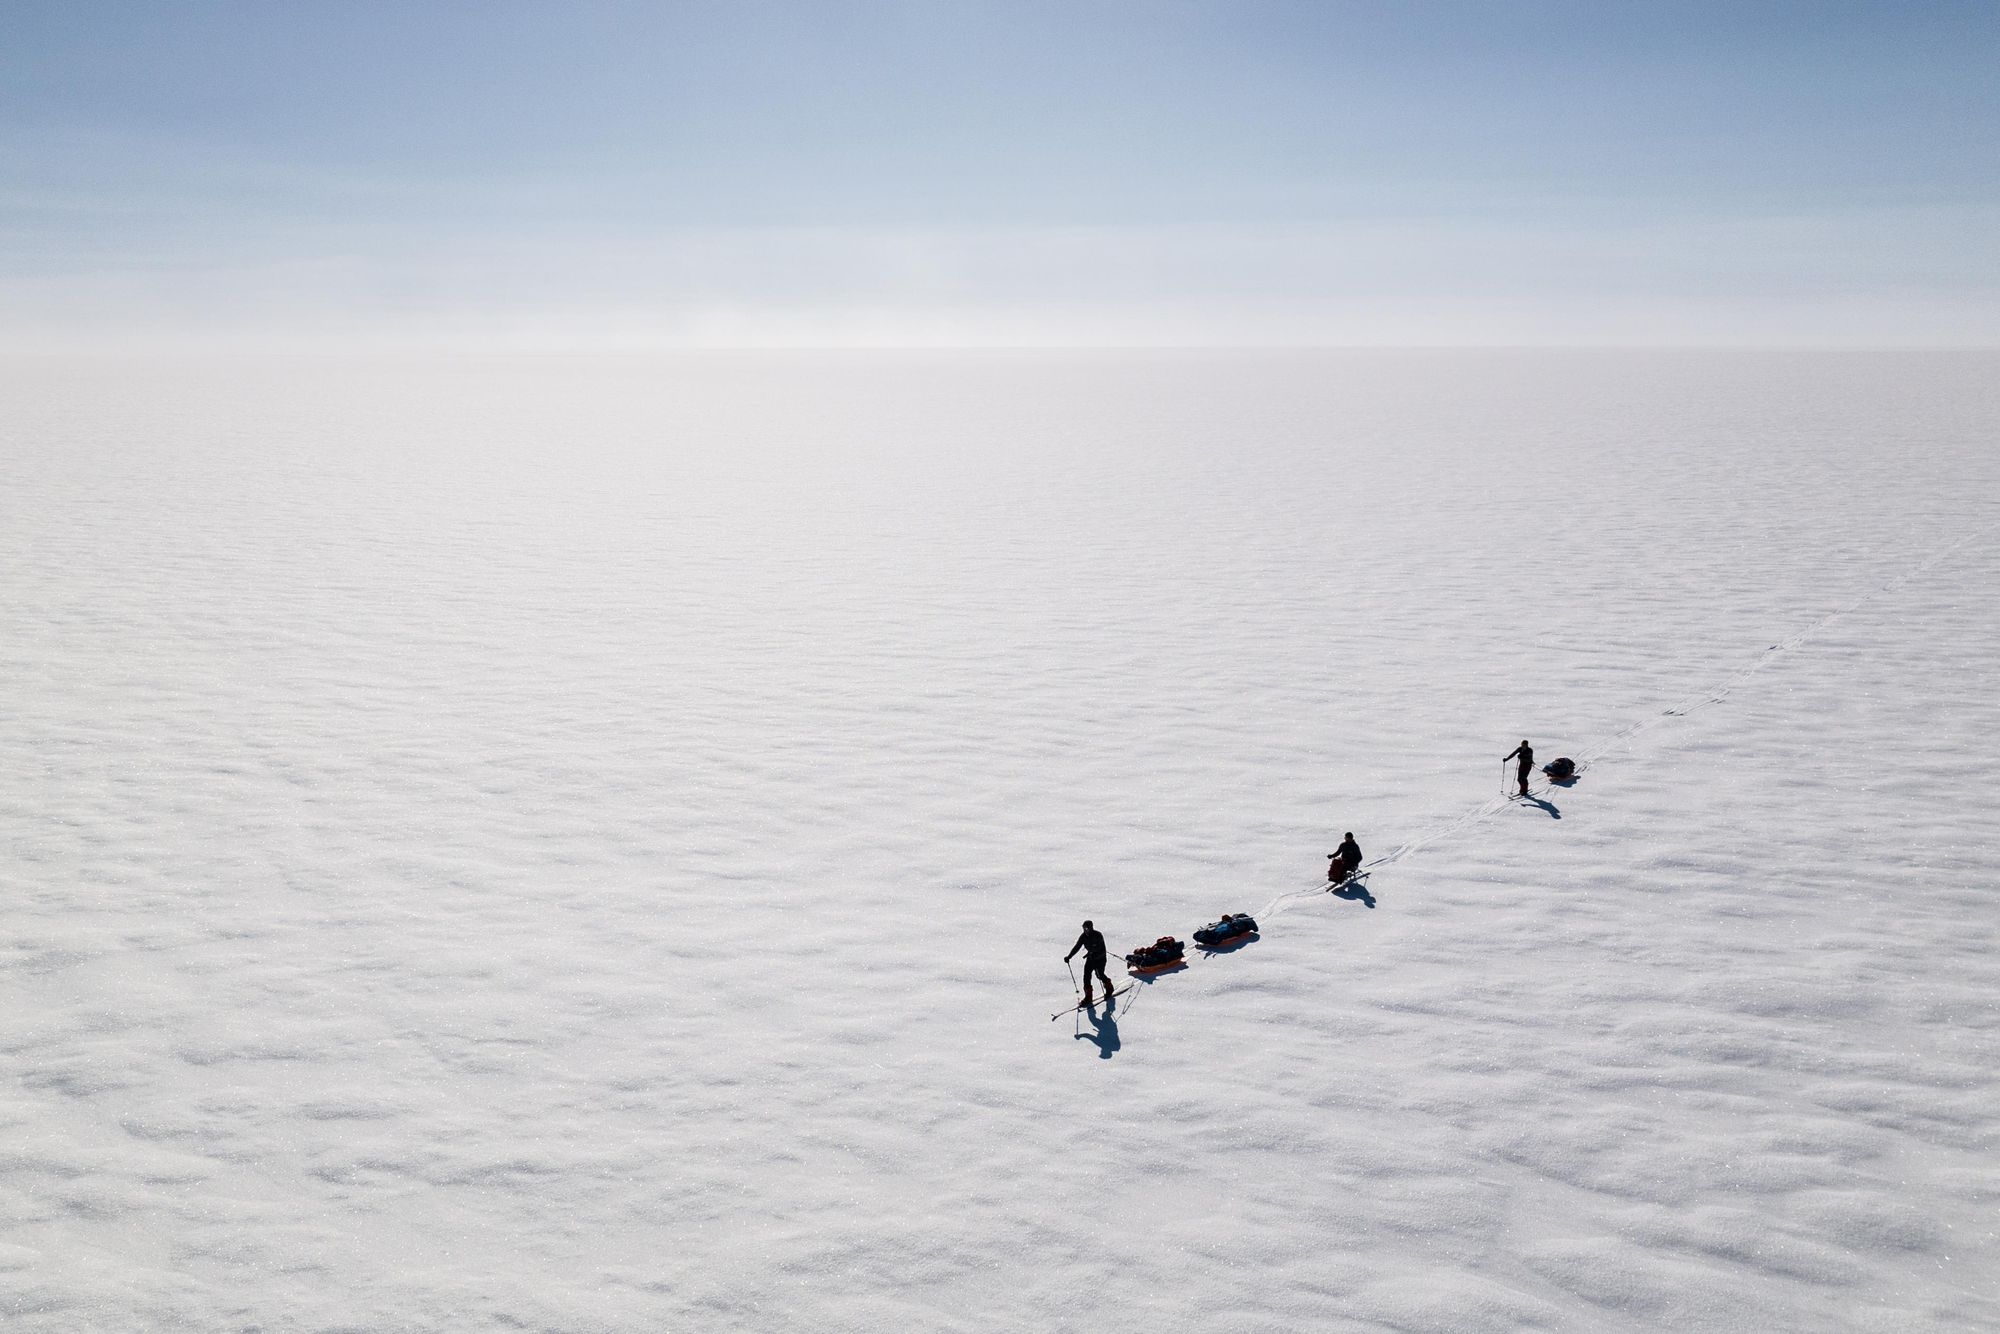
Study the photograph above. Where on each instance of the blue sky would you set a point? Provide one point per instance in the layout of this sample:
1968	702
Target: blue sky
582	174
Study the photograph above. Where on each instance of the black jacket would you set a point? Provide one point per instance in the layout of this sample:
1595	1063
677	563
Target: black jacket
1092	944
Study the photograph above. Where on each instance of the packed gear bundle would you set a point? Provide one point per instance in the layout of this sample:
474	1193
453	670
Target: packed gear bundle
1561	770
1232	929
1162	955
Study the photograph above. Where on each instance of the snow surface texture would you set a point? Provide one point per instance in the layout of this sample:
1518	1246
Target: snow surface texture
590	845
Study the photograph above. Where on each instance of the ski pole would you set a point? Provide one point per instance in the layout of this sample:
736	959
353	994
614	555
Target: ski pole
1072	977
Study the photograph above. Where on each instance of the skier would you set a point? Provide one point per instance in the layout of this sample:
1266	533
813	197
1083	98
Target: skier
1527	757
1344	863
1091	942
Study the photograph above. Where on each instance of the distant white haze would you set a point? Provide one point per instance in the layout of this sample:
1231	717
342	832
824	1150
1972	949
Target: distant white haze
599	175
1380	284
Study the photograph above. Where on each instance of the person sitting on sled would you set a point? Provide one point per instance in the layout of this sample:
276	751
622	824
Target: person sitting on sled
1344	863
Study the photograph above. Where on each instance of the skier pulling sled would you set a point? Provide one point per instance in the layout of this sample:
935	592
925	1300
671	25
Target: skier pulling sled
1091	943
1162	956
1525	753
1232	929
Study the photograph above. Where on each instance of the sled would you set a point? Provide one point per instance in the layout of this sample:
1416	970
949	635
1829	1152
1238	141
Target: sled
1163	955
1231	929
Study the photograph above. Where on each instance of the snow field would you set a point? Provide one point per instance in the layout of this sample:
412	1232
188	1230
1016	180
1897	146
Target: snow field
589	844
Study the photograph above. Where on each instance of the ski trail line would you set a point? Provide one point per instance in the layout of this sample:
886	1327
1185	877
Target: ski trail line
1597	750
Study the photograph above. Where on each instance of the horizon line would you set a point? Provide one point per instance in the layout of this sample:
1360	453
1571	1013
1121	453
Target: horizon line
473	348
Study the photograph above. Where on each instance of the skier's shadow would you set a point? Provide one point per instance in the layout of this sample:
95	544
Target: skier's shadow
1548	806
1104	1030
1355	890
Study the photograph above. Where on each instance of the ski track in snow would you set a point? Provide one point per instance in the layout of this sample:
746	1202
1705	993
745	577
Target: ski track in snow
1589	755
589	845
